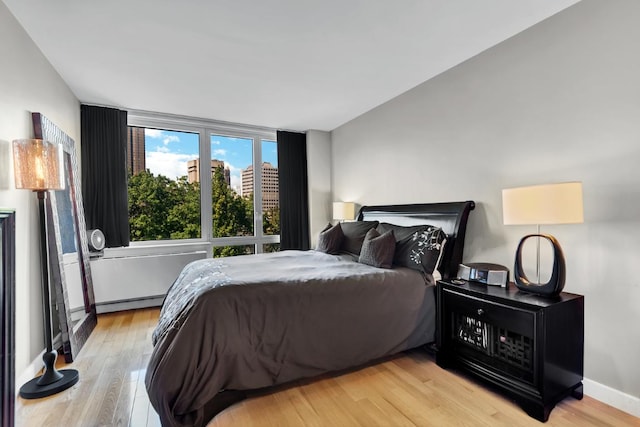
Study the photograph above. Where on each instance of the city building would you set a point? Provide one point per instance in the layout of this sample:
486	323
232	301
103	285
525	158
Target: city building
135	152
270	186
193	170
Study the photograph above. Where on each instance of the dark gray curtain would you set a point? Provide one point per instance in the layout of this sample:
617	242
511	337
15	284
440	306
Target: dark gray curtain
104	172
294	194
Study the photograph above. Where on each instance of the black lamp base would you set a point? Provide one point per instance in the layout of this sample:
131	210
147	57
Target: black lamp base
556	282
51	382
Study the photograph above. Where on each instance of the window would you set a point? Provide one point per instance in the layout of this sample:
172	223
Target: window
164	196
236	209
233	210
270	193
173	197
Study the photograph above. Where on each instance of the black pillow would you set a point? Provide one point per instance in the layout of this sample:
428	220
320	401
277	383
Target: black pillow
354	233
378	249
330	239
419	247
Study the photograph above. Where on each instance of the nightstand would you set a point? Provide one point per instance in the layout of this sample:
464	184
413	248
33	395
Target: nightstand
529	347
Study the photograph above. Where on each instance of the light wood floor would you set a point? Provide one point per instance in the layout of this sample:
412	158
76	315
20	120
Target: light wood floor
406	390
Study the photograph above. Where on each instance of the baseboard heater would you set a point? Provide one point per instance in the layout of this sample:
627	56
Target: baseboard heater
129	304
126	283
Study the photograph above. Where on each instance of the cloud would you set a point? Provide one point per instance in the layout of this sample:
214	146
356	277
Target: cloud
170	138
236	184
160	134
163	160
221	152
153	133
236	176
171	165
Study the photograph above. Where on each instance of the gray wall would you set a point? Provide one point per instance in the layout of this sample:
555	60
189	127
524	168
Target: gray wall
319	181
558	102
28	83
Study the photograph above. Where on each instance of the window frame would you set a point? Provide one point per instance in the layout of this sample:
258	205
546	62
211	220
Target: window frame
205	128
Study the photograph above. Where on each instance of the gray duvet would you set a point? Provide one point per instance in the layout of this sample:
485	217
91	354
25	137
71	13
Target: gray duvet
249	322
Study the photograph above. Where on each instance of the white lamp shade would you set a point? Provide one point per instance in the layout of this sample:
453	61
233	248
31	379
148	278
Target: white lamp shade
38	164
344	210
543	204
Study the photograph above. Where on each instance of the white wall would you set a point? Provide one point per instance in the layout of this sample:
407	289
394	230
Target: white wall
28	83
558	102
319	181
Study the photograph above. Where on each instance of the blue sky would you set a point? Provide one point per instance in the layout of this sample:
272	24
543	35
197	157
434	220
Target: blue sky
167	153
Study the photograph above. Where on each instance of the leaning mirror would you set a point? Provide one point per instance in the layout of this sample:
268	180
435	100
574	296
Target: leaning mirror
70	271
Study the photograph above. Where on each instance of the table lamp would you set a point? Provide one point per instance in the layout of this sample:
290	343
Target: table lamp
542	204
344	211
39	166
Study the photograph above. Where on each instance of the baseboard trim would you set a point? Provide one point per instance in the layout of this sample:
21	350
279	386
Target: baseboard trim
610	396
129	304
30	372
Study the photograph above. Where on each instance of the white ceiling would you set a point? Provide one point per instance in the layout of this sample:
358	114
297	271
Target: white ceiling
288	64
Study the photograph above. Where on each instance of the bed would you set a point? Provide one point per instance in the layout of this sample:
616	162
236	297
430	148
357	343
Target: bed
229	325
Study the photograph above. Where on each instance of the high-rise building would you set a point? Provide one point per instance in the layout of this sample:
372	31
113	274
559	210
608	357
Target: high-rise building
193	170
135	152
270	185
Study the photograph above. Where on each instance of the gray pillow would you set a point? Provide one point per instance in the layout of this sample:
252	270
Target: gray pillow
419	247
330	239
354	233
378	249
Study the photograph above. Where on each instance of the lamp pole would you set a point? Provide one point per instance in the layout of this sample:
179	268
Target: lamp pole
50	375
538	254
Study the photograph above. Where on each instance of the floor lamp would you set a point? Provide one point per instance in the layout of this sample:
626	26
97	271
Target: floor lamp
39	166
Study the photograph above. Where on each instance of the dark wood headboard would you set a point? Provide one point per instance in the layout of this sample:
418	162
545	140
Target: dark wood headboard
451	217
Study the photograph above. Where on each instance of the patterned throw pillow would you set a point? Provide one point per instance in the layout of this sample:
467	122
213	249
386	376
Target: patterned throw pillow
427	248
418	247
378	249
330	239
354	233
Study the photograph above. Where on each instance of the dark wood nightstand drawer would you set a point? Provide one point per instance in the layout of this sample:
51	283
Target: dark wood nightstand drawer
519	321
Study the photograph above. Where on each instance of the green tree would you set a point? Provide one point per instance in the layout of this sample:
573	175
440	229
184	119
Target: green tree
271	227
161	208
184	216
230	215
147	206
271	221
